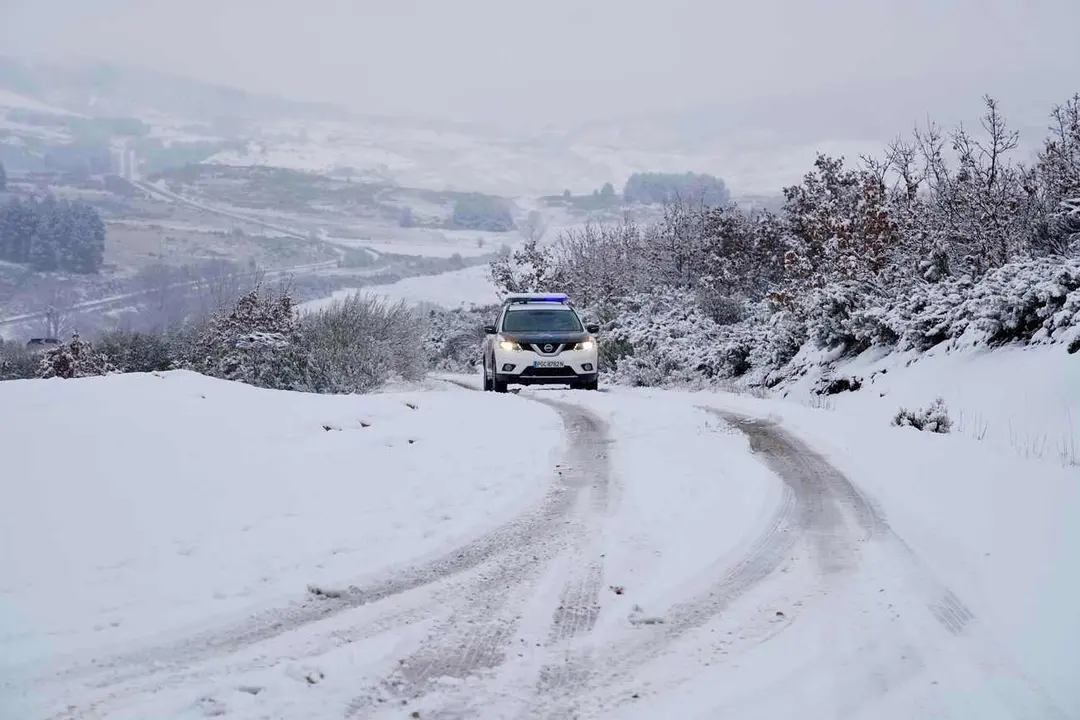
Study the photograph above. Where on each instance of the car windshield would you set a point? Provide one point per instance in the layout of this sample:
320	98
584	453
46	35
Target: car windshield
541	320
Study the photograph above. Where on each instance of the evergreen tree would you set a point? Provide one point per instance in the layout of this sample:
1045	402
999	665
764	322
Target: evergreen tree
258	342
52	235
44	250
89	239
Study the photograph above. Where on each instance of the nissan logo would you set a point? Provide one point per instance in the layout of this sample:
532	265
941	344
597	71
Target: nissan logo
548	348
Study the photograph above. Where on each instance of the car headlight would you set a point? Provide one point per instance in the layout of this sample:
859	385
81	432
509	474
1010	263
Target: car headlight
585	345
509	346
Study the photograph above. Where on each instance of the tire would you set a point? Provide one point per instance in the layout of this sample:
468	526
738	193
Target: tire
488	384
592	385
499	386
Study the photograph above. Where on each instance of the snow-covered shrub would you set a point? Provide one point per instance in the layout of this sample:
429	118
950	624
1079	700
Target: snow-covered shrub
452	338
829	311
131	351
17	362
358	343
934	418
74	359
257	342
1026	301
721	308
660	338
834	386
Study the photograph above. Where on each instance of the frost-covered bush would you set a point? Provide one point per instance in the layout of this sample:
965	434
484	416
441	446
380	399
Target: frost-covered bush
131	351
835	385
74	359
1033	300
452	338
258	341
829	311
934	418
718	307
358	343
666	337
17	362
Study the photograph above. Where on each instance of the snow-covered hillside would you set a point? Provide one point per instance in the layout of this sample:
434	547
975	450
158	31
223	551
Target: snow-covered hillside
632	553
15	101
459	288
521	167
1025	400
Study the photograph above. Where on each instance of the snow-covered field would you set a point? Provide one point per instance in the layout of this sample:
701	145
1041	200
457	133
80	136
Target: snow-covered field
419	244
630	553
458	288
472	162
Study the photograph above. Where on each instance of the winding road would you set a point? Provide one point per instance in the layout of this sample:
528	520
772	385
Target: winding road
821	611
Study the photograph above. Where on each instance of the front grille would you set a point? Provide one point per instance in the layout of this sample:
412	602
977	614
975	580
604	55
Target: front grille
556	348
548	372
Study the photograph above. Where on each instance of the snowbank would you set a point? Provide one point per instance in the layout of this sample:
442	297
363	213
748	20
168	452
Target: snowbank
138	504
1023	399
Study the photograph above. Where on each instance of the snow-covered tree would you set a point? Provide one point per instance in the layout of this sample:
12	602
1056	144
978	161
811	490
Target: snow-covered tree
52	235
257	342
74	359
1054	184
839	225
597	262
529	268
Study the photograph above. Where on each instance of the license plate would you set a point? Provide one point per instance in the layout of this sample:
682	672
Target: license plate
547	363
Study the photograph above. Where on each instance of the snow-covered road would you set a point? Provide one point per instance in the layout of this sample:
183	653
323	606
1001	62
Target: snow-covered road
545	554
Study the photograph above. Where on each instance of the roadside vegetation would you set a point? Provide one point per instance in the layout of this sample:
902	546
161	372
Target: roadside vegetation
947	238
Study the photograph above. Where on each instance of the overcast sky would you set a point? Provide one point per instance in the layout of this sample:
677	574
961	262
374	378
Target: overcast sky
548	60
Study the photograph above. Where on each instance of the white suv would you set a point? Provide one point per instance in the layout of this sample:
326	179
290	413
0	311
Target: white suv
539	339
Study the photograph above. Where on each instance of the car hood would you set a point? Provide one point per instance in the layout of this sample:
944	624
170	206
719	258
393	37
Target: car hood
539	338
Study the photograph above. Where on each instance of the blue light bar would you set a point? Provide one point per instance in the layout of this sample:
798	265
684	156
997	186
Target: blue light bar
537	297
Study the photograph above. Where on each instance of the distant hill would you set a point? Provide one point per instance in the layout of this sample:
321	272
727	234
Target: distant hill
754	146
105	90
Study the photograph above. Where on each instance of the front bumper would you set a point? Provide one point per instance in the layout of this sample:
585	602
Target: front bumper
527	367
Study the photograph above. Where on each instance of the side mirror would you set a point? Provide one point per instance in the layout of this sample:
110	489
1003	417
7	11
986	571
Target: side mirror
489	329
592	328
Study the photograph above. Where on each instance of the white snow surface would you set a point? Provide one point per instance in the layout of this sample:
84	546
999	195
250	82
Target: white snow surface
1019	399
913	575
458	288
139	504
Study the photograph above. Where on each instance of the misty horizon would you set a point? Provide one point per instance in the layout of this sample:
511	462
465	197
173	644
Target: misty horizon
480	61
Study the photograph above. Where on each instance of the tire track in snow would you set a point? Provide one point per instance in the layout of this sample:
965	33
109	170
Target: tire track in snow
788	456
819	506
819	510
475	639
516	550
